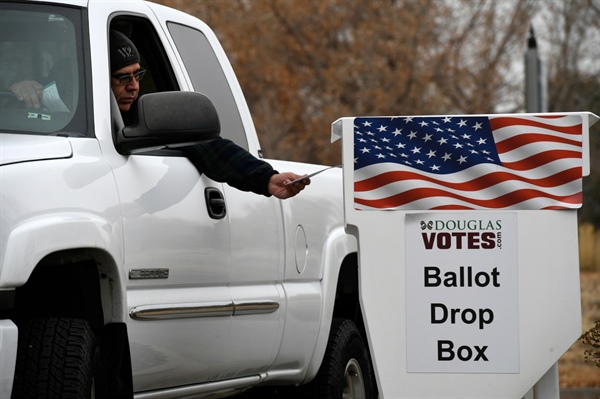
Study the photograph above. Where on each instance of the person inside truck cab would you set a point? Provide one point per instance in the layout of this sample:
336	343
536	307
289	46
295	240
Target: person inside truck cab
221	160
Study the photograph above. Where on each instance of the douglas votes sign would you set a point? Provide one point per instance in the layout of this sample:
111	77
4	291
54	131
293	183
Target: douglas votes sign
462	292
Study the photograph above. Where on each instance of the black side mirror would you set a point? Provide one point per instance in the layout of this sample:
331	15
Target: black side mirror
169	120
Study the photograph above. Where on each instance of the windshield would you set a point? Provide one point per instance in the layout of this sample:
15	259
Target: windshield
41	70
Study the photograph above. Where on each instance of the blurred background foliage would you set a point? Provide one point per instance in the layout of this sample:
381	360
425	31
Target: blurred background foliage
302	64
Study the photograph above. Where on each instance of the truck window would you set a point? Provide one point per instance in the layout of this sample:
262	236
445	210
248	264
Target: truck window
42	47
208	78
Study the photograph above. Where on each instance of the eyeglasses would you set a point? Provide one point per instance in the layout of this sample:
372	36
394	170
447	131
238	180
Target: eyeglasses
125	79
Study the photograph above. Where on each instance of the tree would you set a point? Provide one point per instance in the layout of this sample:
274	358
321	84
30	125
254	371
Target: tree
307	63
572	38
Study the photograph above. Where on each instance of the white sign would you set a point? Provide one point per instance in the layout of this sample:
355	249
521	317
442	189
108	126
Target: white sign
462	309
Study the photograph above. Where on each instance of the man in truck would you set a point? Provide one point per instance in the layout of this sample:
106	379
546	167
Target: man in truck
220	159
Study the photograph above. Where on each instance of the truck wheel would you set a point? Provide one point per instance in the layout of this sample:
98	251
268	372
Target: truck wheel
346	371
56	358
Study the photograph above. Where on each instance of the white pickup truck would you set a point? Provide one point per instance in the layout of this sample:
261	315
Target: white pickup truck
124	272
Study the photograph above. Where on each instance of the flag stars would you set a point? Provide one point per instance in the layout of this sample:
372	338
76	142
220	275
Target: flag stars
435	144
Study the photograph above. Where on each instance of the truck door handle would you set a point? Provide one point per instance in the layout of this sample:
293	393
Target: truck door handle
215	203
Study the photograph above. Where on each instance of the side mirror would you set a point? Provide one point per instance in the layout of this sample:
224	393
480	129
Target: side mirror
169	120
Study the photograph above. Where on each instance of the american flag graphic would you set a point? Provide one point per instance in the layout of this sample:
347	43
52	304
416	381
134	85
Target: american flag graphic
468	162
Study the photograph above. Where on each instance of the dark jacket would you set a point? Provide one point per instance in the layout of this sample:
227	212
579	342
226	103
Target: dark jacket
224	161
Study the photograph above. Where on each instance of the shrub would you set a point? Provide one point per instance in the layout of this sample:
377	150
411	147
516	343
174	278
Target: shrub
592	338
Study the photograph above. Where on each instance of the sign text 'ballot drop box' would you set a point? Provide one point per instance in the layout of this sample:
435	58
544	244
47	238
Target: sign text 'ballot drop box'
468	251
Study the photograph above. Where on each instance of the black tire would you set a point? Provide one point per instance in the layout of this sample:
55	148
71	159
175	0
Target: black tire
346	371
56	359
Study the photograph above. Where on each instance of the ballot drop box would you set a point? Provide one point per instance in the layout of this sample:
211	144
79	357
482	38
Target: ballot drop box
468	248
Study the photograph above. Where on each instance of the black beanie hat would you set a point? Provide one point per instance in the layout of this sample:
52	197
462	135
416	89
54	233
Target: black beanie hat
122	51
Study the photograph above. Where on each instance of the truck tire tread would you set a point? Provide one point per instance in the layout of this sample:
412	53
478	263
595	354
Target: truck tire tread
54	359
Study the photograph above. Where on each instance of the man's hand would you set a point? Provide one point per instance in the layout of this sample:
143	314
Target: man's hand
29	91
279	188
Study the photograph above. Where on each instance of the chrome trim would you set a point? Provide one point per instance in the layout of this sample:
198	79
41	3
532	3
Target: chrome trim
206	309
226	388
181	311
255	307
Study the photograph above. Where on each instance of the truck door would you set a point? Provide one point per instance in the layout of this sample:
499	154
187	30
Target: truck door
176	254
257	239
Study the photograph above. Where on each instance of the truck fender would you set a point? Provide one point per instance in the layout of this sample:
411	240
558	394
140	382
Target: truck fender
338	247
38	237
